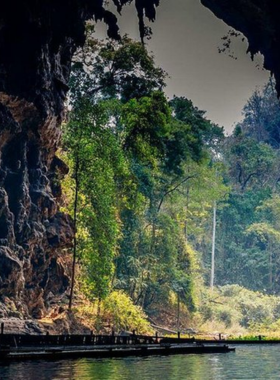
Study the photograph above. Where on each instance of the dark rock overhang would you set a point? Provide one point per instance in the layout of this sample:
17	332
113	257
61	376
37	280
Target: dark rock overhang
259	21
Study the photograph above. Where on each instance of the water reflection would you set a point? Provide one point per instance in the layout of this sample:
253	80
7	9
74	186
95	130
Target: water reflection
247	363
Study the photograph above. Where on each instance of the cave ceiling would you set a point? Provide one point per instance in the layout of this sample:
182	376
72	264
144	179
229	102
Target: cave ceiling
259	21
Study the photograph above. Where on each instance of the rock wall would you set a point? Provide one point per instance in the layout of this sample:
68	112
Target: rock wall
35	52
37	41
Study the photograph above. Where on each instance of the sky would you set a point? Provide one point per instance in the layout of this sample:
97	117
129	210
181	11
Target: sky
185	42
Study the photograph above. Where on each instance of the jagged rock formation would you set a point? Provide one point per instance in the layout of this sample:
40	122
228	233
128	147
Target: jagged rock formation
37	41
34	66
259	21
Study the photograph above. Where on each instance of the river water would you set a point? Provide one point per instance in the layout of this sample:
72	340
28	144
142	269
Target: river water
248	362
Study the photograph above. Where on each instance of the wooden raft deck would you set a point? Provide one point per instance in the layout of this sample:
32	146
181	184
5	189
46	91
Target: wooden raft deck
16	347
110	352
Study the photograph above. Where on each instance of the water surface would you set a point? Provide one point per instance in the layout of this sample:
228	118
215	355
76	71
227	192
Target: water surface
248	362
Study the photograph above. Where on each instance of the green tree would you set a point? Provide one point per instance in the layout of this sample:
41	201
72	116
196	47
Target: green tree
164	180
252	162
98	168
262	115
114	69
146	181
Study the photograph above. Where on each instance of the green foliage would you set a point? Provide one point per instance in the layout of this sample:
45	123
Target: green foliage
98	166
120	311
247	225
236	261
145	172
114	69
262	116
236	307
252	163
146	126
116	312
192	131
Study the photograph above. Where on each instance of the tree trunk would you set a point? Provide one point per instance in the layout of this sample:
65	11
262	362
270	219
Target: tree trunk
75	234
213	246
178	312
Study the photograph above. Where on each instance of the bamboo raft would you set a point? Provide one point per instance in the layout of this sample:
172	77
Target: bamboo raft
108	352
18	347
225	341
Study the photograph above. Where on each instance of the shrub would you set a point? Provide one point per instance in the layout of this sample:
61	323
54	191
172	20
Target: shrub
122	314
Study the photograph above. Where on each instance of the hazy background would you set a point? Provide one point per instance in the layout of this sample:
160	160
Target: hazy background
185	42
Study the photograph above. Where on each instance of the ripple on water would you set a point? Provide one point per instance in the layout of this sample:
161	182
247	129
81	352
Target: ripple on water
248	362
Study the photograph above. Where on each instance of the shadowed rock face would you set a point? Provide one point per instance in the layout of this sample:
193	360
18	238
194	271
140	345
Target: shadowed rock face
37	41
36	45
259	21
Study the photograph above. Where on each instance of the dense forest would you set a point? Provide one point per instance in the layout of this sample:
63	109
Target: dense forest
153	185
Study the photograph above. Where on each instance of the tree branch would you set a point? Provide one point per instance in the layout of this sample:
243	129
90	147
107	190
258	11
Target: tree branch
248	179
173	189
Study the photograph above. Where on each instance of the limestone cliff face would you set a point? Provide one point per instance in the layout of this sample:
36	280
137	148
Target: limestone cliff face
37	41
36	45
